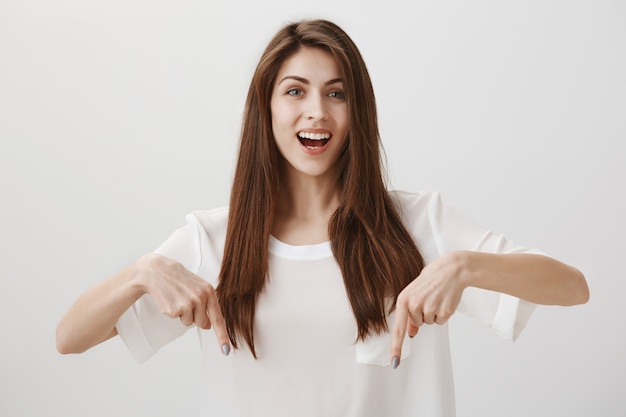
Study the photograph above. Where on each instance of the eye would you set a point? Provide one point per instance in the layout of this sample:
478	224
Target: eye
294	92
338	95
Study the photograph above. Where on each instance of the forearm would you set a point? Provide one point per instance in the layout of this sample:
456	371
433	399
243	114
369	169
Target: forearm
92	318
535	278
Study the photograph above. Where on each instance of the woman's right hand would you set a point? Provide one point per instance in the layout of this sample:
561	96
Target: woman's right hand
176	291
182	294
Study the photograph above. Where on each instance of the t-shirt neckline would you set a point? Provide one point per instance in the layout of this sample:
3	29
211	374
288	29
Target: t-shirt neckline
300	252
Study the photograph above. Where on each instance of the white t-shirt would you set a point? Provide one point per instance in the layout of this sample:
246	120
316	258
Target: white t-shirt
309	363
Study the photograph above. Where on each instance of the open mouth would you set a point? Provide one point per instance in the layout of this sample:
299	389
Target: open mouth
313	140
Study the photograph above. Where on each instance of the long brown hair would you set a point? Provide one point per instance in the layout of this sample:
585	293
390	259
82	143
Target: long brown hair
375	252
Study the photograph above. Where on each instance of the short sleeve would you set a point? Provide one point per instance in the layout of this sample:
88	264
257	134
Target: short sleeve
143	328
441	228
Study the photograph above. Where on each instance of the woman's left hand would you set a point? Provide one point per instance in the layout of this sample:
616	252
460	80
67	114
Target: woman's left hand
431	298
435	294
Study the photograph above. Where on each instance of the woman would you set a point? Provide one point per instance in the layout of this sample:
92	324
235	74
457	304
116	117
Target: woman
315	272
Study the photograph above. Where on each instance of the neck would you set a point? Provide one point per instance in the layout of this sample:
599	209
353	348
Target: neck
304	207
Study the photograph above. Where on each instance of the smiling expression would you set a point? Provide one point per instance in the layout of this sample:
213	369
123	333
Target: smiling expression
310	118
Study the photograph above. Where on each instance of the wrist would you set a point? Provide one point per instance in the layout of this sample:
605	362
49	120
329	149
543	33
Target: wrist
464	265
141	271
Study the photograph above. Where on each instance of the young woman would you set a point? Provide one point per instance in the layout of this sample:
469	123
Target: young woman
313	276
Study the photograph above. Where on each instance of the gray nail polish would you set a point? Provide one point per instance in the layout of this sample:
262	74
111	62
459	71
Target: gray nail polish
395	362
225	349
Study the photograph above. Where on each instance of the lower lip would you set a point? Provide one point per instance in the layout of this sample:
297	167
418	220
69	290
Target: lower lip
314	151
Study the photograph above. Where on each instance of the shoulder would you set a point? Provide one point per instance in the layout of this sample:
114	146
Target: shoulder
213	222
417	209
413	202
209	217
199	245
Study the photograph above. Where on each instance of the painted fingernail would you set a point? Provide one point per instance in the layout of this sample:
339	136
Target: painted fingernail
395	362
225	349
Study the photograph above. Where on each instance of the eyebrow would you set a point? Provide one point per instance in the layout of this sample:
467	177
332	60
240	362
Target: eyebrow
305	81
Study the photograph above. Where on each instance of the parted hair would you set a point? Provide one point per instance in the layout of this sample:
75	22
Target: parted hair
375	252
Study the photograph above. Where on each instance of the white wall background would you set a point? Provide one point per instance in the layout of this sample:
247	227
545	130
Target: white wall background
117	118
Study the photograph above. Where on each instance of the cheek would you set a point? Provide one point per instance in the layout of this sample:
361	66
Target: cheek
280	114
344	121
341	113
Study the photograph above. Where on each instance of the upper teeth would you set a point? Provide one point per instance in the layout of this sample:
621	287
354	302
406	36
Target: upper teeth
314	136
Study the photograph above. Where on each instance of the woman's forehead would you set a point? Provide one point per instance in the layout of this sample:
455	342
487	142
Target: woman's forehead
312	64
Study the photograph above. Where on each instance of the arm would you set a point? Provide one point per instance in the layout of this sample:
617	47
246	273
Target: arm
91	319
176	291
535	278
435	294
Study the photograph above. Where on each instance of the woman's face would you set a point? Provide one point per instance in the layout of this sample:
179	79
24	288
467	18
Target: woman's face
310	117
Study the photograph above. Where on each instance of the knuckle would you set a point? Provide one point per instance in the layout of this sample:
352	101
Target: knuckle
417	319
415	305
196	298
209	290
447	313
202	320
181	308
203	292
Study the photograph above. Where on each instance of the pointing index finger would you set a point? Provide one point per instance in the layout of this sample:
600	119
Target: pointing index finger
398	333
218	324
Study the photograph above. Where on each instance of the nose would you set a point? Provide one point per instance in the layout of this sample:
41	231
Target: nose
316	108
